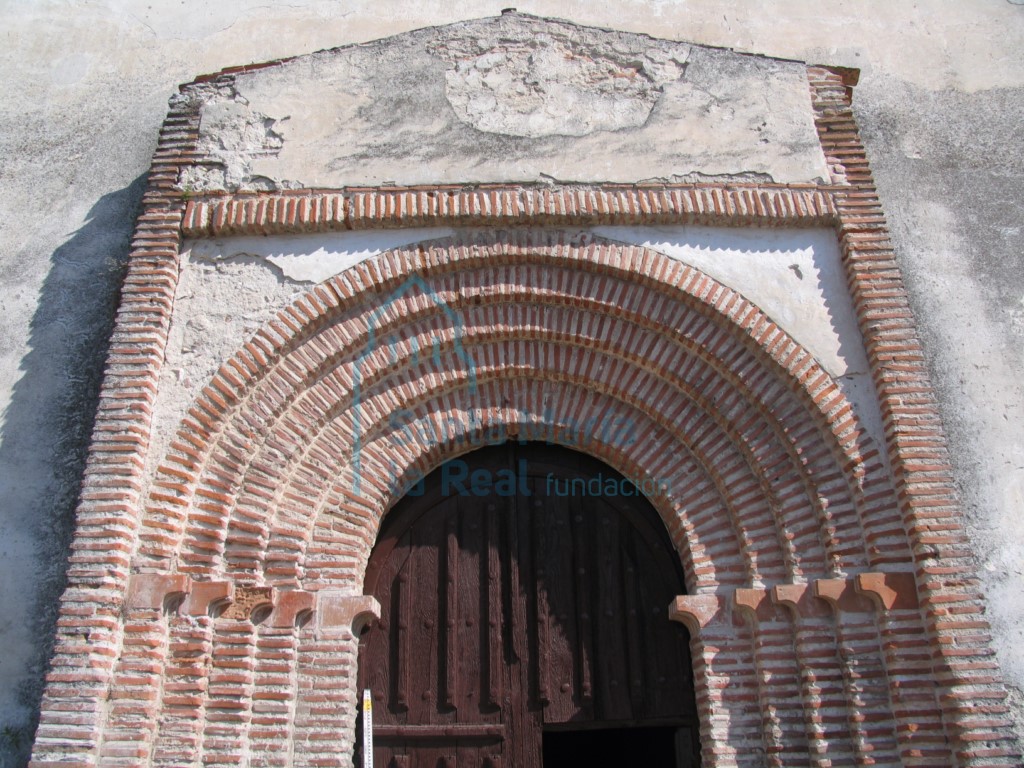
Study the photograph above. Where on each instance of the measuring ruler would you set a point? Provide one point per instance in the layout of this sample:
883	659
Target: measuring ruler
367	729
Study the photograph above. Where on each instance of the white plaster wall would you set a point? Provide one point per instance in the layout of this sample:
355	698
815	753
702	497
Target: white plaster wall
517	99
230	286
84	87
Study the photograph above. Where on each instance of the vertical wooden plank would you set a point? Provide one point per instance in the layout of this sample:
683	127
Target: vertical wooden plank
612	676
451	618
379	650
495	647
425	660
663	652
563	640
375	663
472	694
542	610
523	712
583	597
513	557
403	659
634	638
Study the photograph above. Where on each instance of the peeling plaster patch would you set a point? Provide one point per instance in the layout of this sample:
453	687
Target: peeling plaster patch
515	99
312	258
217	307
554	85
744	177
230	287
233	136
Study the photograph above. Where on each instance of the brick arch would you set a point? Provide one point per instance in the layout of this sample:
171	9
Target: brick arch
696	505
695	441
252	462
772	485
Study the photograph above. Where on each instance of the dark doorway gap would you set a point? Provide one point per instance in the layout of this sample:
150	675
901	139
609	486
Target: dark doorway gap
650	747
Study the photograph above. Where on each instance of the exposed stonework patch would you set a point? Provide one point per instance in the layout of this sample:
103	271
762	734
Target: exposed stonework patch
219	304
312	258
229	287
232	135
508	100
554	84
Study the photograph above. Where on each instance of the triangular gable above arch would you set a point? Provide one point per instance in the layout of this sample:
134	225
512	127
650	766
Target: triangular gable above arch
515	98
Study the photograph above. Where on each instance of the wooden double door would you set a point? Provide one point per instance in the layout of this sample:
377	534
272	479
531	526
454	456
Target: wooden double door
524	593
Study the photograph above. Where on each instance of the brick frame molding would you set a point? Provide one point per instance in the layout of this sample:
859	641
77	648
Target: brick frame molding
210	609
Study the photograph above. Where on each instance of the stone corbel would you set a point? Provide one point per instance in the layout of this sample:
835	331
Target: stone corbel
156	591
697	611
290	607
754	604
800	599
341	613
889	591
841	595
205	596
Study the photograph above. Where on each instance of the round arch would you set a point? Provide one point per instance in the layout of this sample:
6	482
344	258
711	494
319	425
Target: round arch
538	578
283	469
567	336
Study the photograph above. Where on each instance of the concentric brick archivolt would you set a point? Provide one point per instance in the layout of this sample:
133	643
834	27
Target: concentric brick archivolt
767	479
728	412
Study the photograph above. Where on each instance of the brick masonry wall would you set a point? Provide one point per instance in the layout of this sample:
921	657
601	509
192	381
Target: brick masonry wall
210	609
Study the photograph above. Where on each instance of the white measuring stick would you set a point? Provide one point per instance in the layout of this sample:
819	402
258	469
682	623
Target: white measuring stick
367	729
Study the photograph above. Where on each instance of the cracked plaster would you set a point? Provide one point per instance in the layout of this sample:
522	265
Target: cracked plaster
516	99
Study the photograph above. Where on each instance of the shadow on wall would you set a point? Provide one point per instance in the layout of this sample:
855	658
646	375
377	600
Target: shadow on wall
43	446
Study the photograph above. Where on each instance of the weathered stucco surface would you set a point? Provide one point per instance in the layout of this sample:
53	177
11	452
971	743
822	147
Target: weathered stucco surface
521	100
229	287
84	88
953	187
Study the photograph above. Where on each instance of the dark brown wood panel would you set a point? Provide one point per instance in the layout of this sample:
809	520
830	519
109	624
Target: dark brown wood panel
526	605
